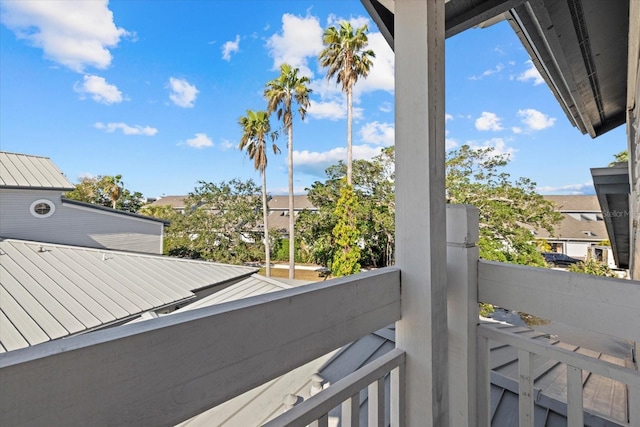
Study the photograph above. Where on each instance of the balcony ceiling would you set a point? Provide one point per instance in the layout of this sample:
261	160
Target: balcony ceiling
578	46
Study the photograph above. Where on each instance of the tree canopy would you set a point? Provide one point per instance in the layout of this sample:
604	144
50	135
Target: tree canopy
509	210
107	190
219	223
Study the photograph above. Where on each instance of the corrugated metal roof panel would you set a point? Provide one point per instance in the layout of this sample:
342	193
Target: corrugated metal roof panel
51	291
25	171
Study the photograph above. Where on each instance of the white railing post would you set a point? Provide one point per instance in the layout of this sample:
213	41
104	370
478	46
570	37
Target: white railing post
462	316
421	207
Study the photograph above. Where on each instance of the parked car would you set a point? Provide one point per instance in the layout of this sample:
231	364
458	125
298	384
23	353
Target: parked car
559	260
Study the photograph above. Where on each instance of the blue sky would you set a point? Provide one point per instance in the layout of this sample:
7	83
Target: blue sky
152	90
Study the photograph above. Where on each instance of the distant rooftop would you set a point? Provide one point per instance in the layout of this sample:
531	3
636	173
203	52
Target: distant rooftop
34	172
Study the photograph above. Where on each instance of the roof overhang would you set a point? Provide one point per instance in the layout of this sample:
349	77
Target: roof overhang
612	188
580	47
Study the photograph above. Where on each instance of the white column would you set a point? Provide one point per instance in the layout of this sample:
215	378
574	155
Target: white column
462	277
420	207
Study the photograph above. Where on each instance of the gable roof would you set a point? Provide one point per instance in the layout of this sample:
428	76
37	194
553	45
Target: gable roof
176	202
573	229
112	211
33	172
51	291
575	203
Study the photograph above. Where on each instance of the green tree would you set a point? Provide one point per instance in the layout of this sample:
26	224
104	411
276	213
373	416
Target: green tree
347	59
255	128
374	212
509	210
162	212
622	156
280	93
347	237
592	266
219	224
106	190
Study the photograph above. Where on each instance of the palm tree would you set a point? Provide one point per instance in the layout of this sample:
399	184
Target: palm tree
280	93
113	188
255	128
346	58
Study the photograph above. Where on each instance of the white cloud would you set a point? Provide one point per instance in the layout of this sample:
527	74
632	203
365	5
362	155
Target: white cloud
488	72
488	121
182	93
450	143
332	110
76	34
299	40
535	120
225	145
498	147
516	129
230	47
386	107
99	90
448	117
531	73
200	140
378	133
577	189
381	76
314	162
126	129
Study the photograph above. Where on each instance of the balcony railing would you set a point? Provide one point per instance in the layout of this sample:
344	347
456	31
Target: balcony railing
167	370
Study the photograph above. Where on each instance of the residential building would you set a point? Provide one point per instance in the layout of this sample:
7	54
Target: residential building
581	229
33	207
167	370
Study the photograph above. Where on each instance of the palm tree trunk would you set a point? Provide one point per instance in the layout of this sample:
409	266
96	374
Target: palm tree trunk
265	218
349	135
292	246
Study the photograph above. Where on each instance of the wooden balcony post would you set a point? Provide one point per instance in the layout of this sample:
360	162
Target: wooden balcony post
420	207
462	316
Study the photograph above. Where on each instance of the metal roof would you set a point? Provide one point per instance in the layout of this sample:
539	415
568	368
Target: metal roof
24	171
51	291
578	46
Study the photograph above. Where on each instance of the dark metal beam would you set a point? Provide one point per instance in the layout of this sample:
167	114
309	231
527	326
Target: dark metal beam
478	14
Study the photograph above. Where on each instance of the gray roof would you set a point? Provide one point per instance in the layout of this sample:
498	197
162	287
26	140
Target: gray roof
281	202
575	203
113	211
572	229
24	171
176	202
52	291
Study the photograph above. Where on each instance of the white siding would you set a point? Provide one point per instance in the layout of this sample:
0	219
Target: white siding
73	225
578	250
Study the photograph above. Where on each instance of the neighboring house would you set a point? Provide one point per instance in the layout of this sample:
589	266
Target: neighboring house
582	226
50	291
278	209
32	207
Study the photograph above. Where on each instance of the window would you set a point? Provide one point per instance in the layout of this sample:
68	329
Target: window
42	208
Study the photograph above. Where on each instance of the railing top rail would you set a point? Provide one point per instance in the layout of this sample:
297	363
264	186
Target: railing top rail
163	371
600	304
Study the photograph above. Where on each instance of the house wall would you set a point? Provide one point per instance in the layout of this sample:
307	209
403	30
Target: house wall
75	225
633	130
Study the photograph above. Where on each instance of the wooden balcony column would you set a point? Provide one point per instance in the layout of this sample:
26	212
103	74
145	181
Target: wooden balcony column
420	207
